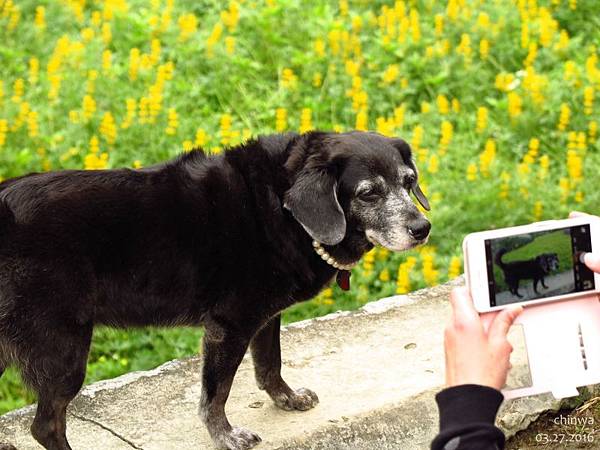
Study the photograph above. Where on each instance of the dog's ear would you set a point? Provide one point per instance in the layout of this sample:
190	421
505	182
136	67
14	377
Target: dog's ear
312	199
406	154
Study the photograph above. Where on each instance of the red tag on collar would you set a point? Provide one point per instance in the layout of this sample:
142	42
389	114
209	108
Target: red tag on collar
343	279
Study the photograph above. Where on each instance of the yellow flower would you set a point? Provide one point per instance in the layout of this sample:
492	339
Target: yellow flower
319	47
87	34
40	18
592	130
18	90
108	128
230	45
201	138
487	157
403	279
134	63
574	167
417	137
484	48
343	7
34	69
391	73
565	115
563	40
187	26
213	38
483	21
362	120
131	106
442	104
3	131
306	120
288	79
544	166
504	81
317	79
280	119
155	50
515	104
369	261
88	107
384	275
464	48
32	124
231	16
106	33
415	28
472	172
454	268
434	163
482	117
144	110
430	274
225	129
94	162
588	100
172	122
106	61
447	131
439	24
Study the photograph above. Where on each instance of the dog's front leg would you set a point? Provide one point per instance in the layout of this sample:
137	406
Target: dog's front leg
223	352
266	352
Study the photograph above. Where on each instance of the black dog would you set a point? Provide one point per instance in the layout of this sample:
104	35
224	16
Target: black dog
532	269
226	242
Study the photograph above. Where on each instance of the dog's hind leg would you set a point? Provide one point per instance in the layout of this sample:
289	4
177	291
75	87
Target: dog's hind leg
56	370
266	353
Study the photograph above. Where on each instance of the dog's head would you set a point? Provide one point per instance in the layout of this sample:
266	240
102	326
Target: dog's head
548	262
353	188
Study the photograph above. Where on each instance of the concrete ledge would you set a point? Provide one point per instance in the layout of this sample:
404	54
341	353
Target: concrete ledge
375	370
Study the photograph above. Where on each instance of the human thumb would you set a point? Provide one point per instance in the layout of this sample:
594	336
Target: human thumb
592	260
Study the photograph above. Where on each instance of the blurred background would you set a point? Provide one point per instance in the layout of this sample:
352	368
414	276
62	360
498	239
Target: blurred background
499	99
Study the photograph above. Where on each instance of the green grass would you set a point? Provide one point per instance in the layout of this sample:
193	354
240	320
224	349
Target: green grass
469	189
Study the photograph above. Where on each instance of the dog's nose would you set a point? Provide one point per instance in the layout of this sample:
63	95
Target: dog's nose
419	229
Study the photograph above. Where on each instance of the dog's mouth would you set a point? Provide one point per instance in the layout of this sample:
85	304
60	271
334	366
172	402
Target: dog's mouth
406	243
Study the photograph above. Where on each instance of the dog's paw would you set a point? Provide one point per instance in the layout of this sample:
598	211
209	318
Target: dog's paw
5	446
301	399
238	439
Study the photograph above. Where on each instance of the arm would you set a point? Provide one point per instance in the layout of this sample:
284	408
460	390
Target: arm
477	363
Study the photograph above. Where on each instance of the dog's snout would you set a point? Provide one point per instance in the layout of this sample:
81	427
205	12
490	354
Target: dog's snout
419	229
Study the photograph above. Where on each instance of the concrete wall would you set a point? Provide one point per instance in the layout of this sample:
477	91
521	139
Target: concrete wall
376	372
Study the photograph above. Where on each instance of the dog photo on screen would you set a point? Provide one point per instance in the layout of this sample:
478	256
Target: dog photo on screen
532	266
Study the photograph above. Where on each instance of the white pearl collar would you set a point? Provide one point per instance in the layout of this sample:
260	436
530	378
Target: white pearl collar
330	259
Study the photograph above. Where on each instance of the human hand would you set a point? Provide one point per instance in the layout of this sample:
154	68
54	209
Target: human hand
592	260
476	353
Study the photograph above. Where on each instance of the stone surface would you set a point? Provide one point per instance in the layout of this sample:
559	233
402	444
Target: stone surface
376	372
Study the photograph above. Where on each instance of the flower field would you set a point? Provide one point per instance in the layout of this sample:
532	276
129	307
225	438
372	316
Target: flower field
499	99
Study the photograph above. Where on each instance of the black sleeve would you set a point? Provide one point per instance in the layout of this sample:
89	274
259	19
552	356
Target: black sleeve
467	415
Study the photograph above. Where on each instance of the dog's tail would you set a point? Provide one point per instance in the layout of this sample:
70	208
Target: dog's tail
499	255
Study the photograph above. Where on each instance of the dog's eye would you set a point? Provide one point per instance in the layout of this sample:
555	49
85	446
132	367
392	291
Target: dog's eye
369	195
